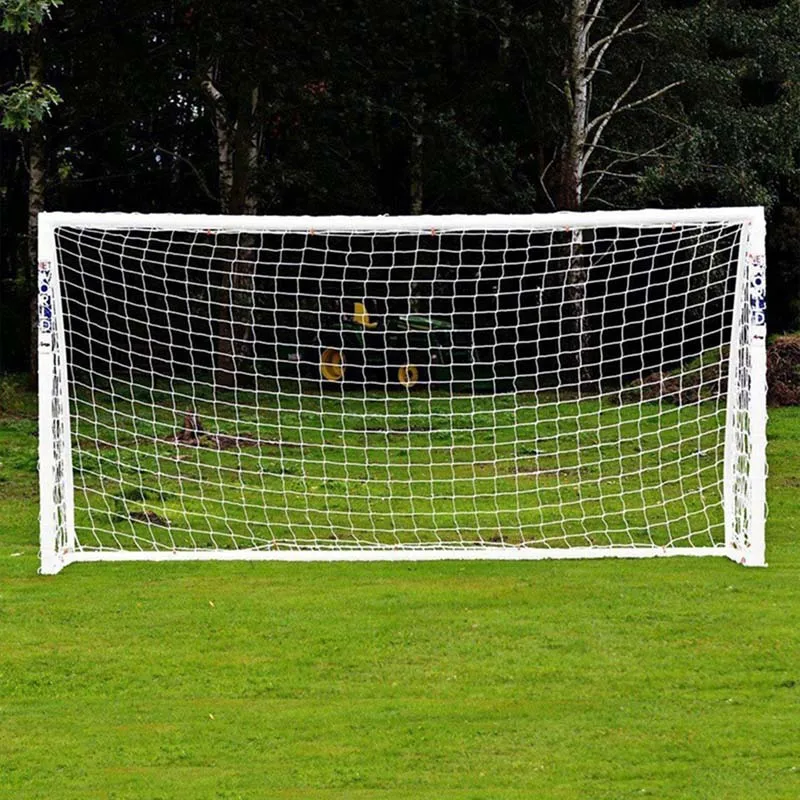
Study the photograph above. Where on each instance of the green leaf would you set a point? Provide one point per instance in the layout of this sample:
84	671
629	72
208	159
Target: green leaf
19	16
27	103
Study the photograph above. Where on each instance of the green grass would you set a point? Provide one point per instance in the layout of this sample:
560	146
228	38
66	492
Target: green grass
355	470
675	678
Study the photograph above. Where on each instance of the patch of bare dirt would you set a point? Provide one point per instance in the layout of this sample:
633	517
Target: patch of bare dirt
684	388
194	434
783	371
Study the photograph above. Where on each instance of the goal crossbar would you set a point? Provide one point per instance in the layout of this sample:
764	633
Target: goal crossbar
573	220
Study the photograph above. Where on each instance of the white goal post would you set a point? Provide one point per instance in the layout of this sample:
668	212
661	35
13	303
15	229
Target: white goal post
568	385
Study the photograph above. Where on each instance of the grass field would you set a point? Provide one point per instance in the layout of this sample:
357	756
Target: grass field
348	469
673	678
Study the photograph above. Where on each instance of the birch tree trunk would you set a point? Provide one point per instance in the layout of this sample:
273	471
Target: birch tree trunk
585	52
36	192
577	337
577	85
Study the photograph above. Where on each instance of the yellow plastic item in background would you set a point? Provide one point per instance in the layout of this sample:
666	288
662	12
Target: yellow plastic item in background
361	316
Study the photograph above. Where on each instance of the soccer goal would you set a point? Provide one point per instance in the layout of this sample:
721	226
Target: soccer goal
466	387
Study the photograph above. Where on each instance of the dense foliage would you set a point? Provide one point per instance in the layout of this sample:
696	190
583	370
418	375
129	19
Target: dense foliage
372	106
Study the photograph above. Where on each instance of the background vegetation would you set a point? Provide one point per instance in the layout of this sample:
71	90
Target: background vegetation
384	107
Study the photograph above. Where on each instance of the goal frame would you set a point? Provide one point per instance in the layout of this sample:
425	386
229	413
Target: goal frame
57	502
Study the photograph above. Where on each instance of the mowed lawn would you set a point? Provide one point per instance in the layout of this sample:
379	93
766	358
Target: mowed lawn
673	678
170	467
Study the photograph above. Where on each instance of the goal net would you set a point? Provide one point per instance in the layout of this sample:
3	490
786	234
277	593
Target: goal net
523	387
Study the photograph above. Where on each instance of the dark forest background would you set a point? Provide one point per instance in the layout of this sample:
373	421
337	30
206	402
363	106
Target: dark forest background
372	107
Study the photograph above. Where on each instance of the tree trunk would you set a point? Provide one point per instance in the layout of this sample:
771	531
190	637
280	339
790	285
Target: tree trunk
223	136
577	338
245	154
36	190
416	157
234	365
577	91
584	59
234	299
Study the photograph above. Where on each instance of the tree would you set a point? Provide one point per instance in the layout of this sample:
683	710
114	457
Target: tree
594	29
24	107
738	107
371	107
246	52
739	102
591	35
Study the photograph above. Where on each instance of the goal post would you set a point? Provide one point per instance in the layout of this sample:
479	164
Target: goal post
56	490
568	385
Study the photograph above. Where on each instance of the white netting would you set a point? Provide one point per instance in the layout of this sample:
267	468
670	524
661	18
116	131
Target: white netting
395	390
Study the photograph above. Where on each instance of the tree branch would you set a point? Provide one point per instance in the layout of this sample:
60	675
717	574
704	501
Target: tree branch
214	94
617	108
625	158
596	51
591	15
542	177
600	121
200	179
606	40
598	58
